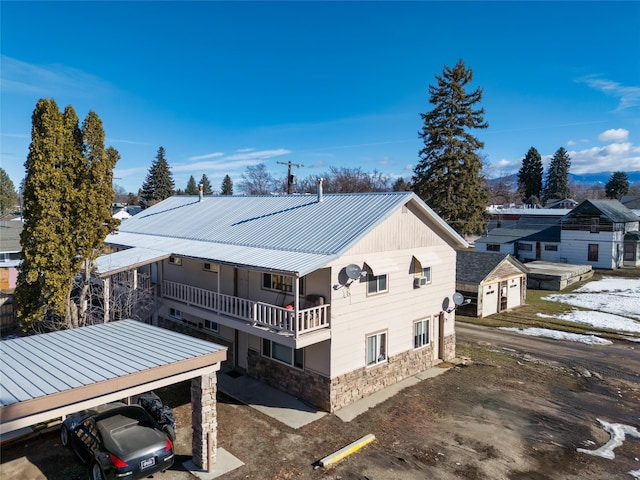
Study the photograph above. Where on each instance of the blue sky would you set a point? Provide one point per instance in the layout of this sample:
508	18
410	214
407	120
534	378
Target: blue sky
225	85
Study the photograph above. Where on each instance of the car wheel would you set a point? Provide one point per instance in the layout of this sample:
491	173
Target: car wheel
64	436
170	431
96	472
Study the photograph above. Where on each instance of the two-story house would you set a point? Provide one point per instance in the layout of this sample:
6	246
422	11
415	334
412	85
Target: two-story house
601	233
328	297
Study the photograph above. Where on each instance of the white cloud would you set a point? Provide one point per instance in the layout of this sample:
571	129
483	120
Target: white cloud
629	96
609	158
48	80
206	156
571	143
614	135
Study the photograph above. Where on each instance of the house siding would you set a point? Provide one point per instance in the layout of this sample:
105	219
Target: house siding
355	314
575	248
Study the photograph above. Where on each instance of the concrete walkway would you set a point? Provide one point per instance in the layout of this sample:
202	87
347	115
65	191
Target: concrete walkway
295	413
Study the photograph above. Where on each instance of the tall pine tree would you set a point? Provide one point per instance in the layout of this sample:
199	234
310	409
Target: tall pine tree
448	176
67	213
206	185
617	186
158	184
530	175
8	195
227	186
192	188
556	186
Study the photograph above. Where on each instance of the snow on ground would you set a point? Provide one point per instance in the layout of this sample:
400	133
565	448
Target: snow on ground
598	319
617	296
558	335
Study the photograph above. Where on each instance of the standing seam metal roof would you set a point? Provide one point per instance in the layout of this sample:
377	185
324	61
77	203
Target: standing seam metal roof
50	363
292	233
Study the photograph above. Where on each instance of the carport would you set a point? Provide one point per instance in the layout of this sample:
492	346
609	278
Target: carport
54	374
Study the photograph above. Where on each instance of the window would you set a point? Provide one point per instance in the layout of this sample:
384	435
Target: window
280	283
283	353
212	326
593	252
493	247
525	247
422	270
210	267
376	348
421	333
595	225
551	248
174	313
376	284
175	260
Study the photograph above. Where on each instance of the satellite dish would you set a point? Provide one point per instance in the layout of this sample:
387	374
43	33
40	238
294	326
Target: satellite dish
353	271
458	299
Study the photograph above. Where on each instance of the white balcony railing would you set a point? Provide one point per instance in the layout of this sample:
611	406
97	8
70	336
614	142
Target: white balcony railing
259	313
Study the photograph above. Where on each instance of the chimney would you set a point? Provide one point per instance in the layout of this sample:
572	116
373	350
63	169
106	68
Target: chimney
320	189
200	191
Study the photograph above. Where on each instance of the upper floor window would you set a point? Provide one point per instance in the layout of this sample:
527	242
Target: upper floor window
275	281
493	247
175	260
422	270
377	283
595	225
210	267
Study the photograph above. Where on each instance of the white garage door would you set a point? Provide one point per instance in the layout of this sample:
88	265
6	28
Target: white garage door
490	298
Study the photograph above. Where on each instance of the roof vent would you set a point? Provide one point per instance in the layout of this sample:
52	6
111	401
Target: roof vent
320	189
200	190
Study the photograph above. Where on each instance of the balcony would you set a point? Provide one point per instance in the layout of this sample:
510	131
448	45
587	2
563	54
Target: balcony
258	313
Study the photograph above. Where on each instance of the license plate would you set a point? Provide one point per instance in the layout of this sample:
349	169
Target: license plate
149	462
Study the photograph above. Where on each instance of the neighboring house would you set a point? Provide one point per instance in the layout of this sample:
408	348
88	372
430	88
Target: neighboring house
601	233
493	283
526	244
329	298
10	249
565	203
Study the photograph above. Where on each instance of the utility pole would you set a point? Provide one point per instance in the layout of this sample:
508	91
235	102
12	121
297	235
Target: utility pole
291	178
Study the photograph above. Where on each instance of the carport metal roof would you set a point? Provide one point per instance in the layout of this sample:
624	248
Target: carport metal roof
54	374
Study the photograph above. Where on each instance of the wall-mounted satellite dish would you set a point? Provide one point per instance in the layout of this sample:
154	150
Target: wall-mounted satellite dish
458	299
353	271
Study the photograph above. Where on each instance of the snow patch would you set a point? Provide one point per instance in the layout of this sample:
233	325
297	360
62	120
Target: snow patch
558	335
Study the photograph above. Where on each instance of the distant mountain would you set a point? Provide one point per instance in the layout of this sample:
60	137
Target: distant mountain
587	179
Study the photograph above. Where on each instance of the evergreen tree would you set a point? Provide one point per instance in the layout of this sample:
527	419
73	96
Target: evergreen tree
192	188
67	213
530	175
617	186
227	186
556	186
448	176
206	185
158	184
8	195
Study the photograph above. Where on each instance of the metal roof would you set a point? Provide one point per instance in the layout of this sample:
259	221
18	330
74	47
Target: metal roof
127	259
53	373
611	209
290	233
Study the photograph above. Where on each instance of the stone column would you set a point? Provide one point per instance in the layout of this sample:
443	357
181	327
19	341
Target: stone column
204	420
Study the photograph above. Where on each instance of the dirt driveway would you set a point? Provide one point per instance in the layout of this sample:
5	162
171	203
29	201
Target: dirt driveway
498	417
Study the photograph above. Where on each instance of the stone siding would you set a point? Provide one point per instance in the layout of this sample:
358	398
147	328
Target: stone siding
361	383
449	348
204	422
308	386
